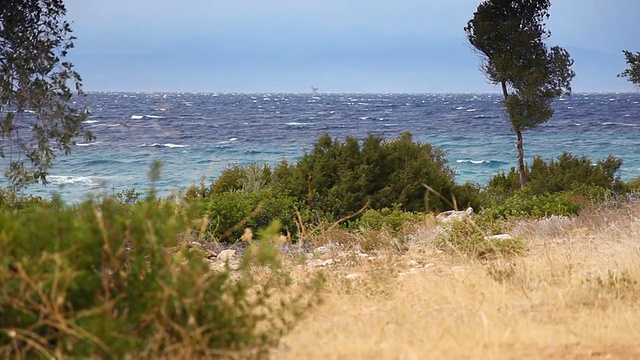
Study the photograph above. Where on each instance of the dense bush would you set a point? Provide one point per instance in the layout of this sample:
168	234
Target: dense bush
526	204
230	213
473	238
335	180
566	173
392	220
341	177
111	280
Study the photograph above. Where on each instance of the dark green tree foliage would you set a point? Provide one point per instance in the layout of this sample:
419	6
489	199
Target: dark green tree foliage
567	173
633	72
37	119
340	178
335	180
510	36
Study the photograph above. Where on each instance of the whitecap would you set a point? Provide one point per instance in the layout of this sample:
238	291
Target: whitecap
67	179
88	144
154	117
609	123
471	110
473	161
90	121
293	123
137	117
460	108
233	139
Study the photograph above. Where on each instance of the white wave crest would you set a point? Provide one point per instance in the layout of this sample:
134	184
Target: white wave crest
88	144
90	121
167	145
67	179
137	117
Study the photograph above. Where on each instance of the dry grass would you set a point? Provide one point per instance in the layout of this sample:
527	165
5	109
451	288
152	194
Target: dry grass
574	295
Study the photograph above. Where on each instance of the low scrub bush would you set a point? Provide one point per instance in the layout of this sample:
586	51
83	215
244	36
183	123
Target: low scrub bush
526	204
564	174
111	280
387	219
471	238
229	213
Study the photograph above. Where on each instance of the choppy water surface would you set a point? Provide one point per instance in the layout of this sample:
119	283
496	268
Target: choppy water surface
198	135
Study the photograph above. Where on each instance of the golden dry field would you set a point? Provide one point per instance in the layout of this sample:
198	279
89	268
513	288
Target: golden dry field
574	294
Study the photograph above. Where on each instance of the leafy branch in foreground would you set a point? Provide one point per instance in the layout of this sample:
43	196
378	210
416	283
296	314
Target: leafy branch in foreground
633	72
37	116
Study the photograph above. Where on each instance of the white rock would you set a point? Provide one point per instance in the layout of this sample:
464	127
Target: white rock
324	249
413	263
455	215
226	255
500	237
353	276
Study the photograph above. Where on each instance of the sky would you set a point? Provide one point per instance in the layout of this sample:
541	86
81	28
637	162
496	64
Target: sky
357	46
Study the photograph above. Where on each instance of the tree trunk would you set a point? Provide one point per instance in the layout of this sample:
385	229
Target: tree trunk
519	144
521	169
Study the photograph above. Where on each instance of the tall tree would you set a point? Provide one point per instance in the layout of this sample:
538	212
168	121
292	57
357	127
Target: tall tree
633	72
510	35
37	87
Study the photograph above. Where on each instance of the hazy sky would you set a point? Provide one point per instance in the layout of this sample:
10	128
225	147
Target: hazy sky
336	45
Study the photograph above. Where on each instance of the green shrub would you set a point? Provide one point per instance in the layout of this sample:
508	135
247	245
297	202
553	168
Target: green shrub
105	280
230	213
252	178
392	220
470	238
340	178
10	200
567	173
525	204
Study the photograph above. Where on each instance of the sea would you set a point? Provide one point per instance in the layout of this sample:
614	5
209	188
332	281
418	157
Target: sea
197	135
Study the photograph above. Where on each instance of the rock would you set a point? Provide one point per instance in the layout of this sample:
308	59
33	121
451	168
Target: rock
324	249
226	255
455	215
353	276
413	263
501	237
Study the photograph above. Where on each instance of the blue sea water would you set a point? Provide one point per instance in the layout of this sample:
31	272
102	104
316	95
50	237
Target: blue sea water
197	135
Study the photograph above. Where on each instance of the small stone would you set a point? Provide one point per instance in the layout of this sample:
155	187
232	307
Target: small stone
226	255
455	215
413	263
500	237
426	266
353	276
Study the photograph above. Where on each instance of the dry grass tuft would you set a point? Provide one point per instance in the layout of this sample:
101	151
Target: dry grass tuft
574	295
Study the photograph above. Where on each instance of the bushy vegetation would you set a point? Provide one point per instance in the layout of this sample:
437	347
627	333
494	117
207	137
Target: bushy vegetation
387	219
526	204
565	174
474	238
335	181
109	280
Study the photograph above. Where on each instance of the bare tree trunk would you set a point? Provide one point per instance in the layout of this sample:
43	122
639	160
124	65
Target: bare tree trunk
521	169
519	144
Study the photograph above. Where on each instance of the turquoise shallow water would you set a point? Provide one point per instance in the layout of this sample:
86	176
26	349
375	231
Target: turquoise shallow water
196	136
